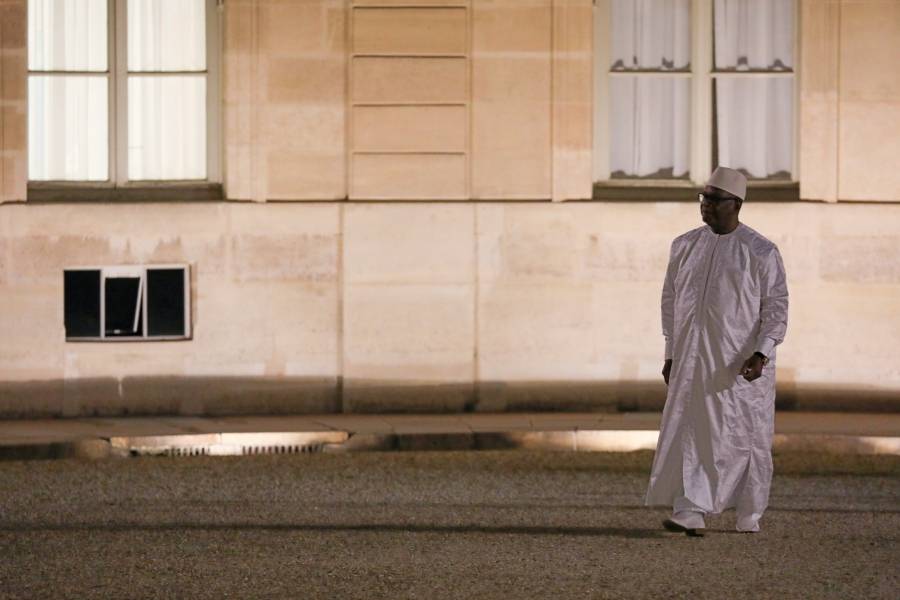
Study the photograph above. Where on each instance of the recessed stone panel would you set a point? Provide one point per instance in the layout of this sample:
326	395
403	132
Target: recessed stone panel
409	243
401	79
416	31
409	129
424	176
414	333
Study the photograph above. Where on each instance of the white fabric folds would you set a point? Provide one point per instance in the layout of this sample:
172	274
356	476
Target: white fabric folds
755	115
650	115
724	297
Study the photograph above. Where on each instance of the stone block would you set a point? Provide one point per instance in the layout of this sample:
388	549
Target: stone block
405	79
511	145
417	31
306	80
310	129
35	399
410	129
869	147
869	46
409	244
819	146
424	176
298	28
13	76
422	334
13	24
300	257
519	27
298	175
240	26
850	259
380	396
536	332
303	155
32	330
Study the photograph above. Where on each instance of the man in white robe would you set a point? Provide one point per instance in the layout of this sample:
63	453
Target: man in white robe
724	309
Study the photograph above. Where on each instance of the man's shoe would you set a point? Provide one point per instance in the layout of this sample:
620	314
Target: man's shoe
671	525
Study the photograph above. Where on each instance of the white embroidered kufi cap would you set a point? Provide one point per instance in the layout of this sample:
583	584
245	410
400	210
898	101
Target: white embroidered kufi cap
729	180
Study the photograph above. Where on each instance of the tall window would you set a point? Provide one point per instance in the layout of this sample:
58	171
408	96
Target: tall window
682	86
122	91
754	90
649	89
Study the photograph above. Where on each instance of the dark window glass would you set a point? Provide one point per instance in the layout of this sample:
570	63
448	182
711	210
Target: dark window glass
81	290
123	307
165	301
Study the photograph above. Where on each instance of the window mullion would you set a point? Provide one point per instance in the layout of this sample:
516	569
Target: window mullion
602	103
121	90
701	90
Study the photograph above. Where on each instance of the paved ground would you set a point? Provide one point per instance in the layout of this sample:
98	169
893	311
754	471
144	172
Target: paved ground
476	524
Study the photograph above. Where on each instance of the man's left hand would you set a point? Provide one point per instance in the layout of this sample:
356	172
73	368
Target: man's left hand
752	368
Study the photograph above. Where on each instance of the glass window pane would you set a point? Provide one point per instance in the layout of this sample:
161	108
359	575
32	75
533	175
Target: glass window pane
166	35
123	307
67	35
651	34
754	34
68	127
649	126
167	127
165	302
755	125
81	300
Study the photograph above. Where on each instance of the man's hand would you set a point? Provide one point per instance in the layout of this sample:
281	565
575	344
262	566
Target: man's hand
667	368
752	368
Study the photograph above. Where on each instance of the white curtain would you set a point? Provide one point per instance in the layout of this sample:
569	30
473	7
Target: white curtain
754	34
650	121
650	115
67	114
755	114
166	113
167	127
651	34
755	124
166	35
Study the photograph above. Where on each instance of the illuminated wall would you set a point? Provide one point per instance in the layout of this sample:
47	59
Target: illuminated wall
450	280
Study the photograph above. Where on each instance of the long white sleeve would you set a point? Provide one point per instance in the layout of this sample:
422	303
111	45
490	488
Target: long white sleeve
773	303
668	302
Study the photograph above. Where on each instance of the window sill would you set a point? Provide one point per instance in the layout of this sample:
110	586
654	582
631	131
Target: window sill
686	191
41	191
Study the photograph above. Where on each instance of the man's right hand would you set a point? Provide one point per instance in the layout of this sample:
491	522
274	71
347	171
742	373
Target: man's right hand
667	368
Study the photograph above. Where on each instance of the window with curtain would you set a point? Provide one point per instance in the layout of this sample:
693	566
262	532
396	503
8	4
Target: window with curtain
649	88
754	87
686	85
88	59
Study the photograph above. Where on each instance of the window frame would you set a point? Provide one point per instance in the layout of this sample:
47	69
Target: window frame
117	186
702	75
136	271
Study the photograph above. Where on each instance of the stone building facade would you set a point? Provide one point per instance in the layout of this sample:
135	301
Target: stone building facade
408	221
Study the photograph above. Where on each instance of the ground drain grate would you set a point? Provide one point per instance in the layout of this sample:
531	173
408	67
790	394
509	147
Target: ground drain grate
306	448
227	444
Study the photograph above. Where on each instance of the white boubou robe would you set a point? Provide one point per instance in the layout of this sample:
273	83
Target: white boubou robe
724	297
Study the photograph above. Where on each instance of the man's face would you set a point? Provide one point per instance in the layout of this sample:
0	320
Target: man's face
718	206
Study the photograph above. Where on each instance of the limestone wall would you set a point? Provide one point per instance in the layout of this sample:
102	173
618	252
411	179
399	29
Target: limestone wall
850	100
400	100
13	86
444	304
319	307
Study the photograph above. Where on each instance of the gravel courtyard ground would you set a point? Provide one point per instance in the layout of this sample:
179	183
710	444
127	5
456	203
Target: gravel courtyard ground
467	524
